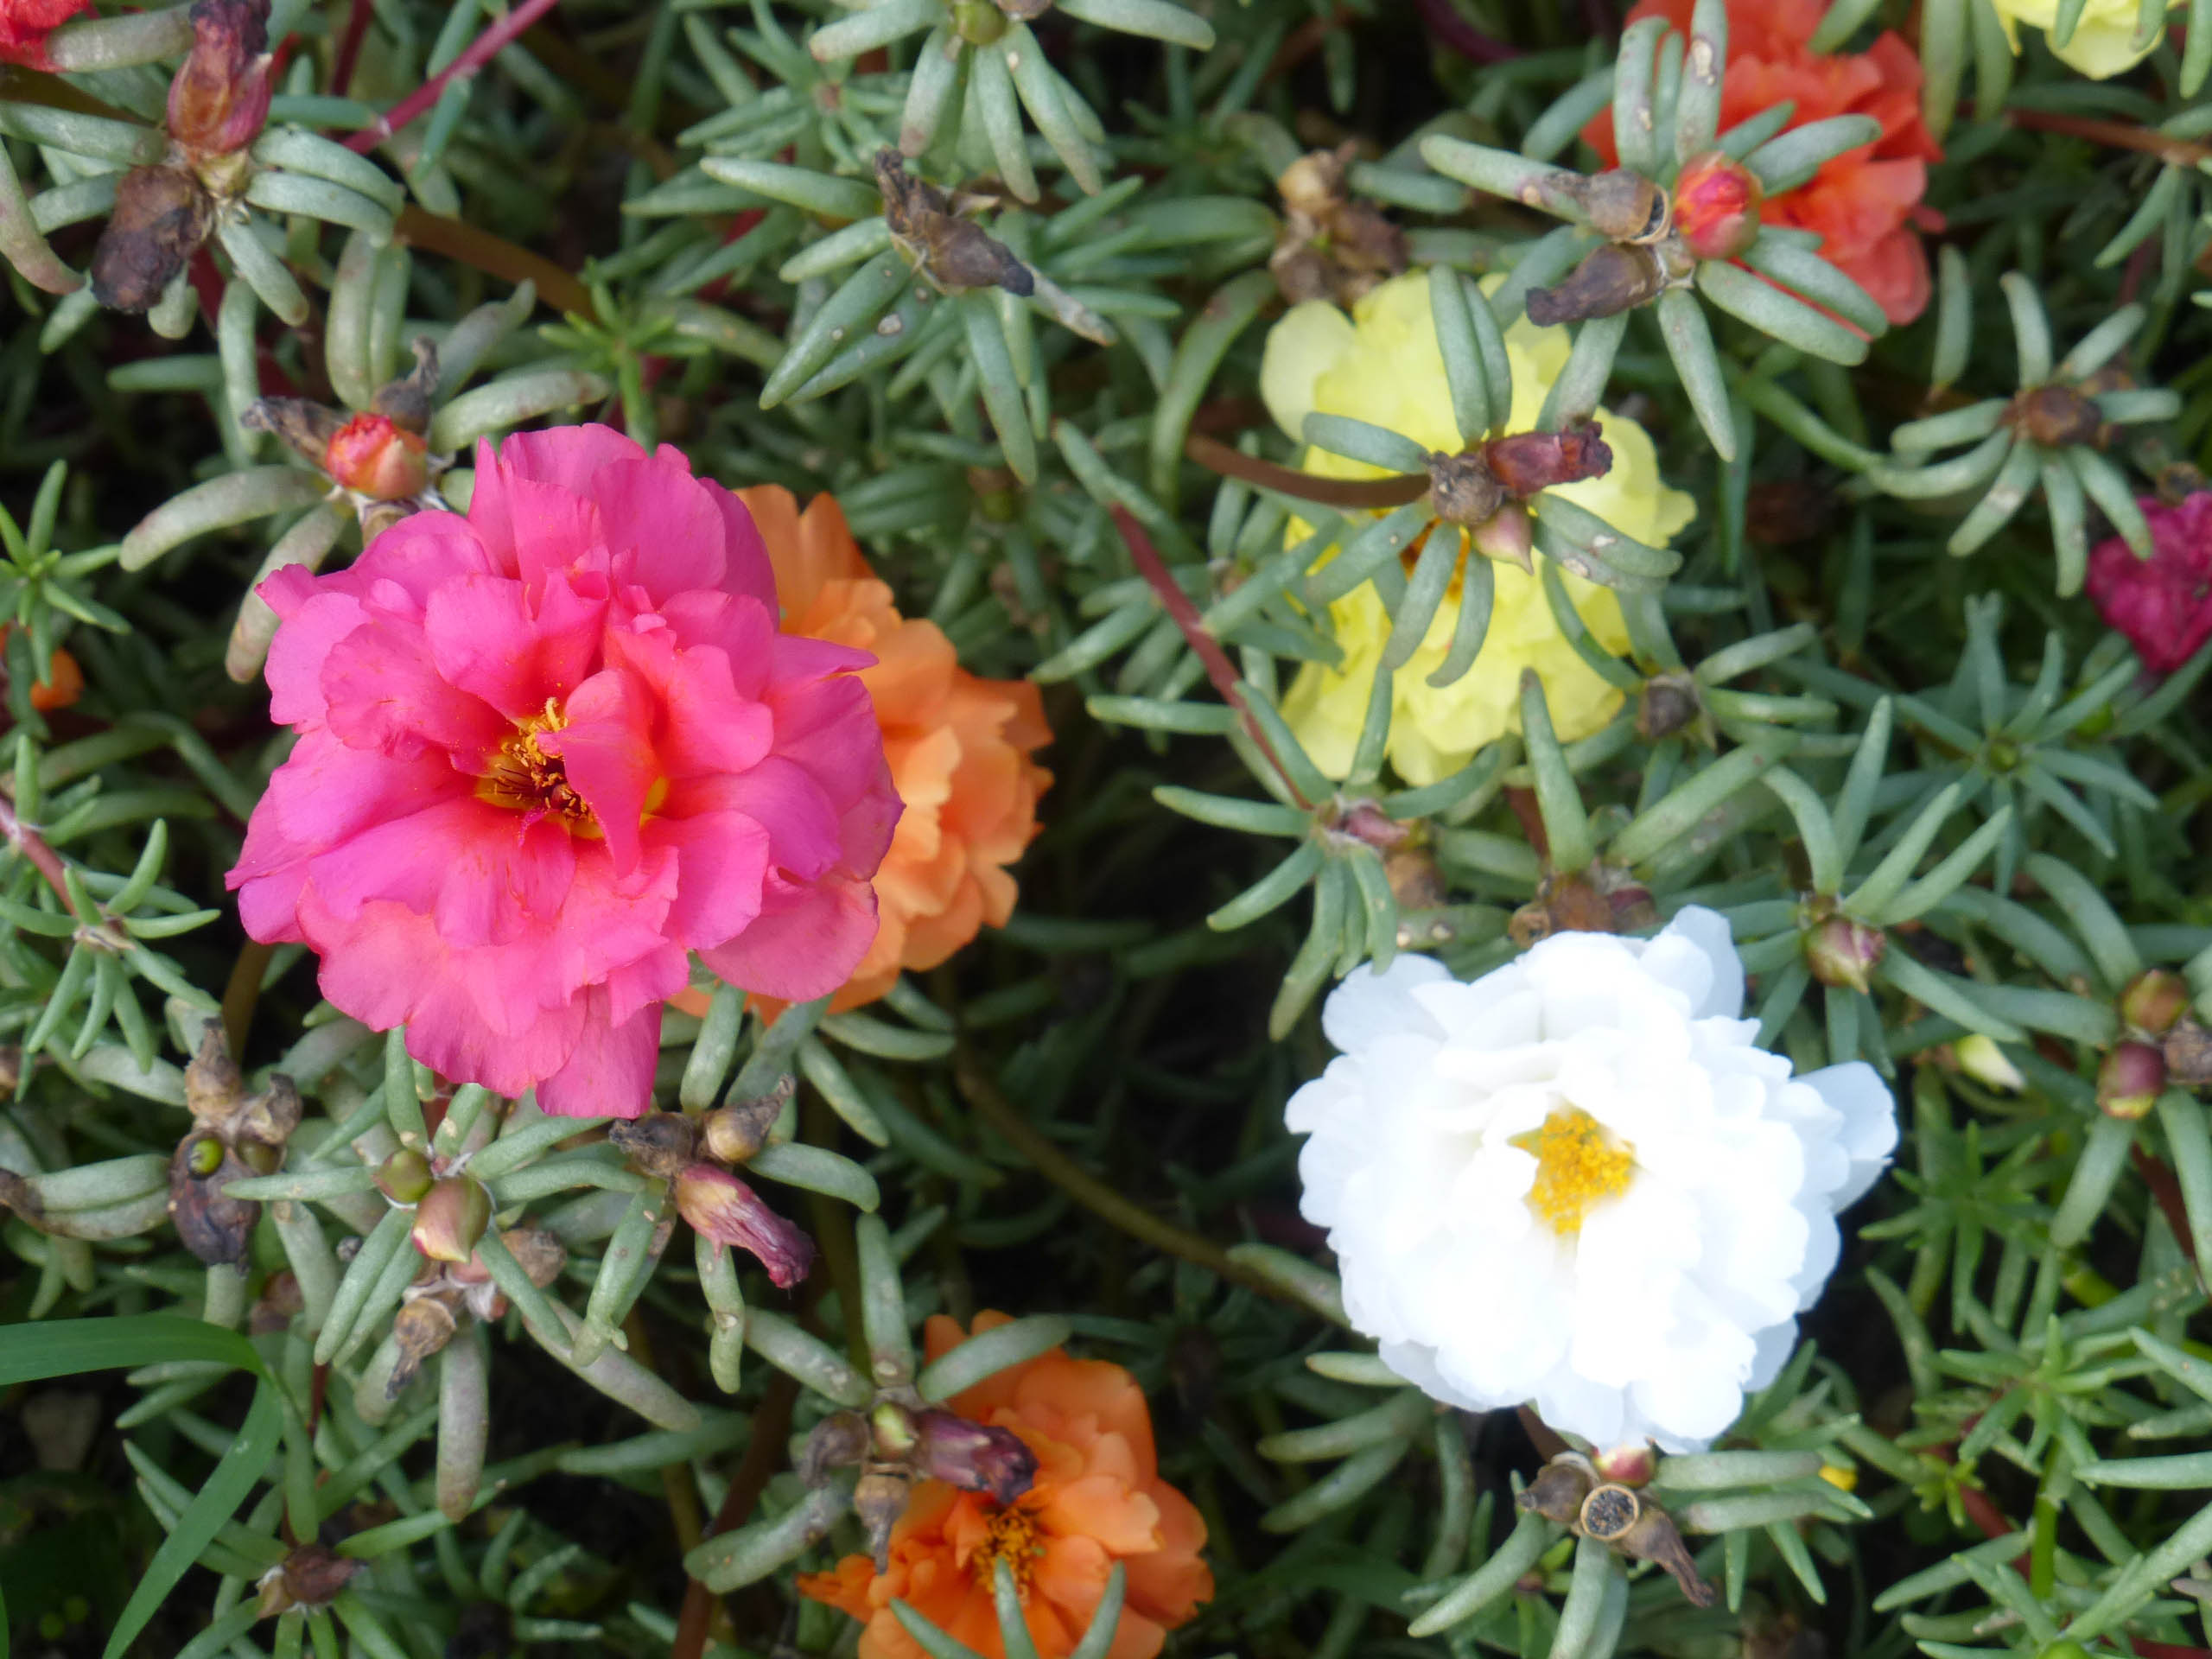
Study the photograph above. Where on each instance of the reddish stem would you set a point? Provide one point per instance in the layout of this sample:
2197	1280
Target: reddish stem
2174	152
1177	604
29	842
2167	1190
349	47
1360	494
478	52
1451	29
764	1454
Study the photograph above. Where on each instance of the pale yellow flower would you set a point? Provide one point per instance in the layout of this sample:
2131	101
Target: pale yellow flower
2104	41
1382	365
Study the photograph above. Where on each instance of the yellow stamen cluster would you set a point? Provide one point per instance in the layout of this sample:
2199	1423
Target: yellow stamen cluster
1578	1166
522	777
1014	1538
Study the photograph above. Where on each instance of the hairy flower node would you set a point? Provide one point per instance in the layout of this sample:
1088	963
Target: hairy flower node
720	1207
1842	952
372	455
1533	1198
1717	206
1096	1498
546	751
219	98
2153	1000
2129	1078
450	1217
2164	603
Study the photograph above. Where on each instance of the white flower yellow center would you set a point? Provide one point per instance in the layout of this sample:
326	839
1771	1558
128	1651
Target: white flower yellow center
1578	1166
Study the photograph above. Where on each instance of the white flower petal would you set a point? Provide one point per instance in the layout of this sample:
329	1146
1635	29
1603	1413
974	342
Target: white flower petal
1369	1006
1708	930
1870	1123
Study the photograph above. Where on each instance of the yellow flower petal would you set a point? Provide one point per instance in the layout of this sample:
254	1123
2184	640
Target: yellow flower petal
1383	364
2103	44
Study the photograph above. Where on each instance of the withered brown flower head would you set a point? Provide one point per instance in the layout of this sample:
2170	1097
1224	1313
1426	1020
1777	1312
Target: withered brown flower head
953	252
1331	246
161	216
219	98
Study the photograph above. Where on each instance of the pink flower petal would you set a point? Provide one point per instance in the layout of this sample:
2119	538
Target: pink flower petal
722	862
489	638
663	528
609	1073
607	749
385	694
712	728
805	943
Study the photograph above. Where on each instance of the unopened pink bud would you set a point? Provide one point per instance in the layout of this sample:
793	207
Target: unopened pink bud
724	1209
1507	537
1841	952
2129	1080
1717	206
1628	1466
219	98
974	1457
451	1217
373	456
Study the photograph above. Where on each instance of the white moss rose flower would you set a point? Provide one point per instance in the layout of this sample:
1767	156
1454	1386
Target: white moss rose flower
1577	1184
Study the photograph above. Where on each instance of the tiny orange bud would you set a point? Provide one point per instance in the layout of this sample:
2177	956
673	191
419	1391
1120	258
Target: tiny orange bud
1717	206
373	456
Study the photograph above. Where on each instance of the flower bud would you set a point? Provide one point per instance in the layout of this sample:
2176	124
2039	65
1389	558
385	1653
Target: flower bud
220	98
374	456
1980	1058
1558	1489
974	1457
213	1226
894	1433
1613	278
450	1217
405	1177
1654	1537
1364	821
1667	702
311	1576
1627	1465
1529	461
160	217
724	1209
2188	1053
2129	1080
2154	1001
1840	952
422	1326
1623	206
978	22
659	1144
736	1132
879	1501
1717	206
1507	537
212	1082
837	1442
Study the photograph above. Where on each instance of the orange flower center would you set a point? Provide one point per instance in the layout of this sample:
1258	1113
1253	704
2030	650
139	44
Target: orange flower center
524	779
1013	1537
1578	1166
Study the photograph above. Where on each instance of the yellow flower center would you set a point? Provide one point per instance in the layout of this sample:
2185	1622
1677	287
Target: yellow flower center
1013	1537
522	777
1578	1166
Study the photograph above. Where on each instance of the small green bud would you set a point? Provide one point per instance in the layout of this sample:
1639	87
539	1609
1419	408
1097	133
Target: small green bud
406	1177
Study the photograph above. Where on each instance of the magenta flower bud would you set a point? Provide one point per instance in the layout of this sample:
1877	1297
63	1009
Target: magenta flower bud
724	1209
2129	1080
1628	1466
1717	206
450	1218
1841	952
974	1457
2154	1000
220	96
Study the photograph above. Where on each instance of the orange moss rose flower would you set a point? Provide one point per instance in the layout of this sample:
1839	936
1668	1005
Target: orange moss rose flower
958	746
1098	1499
1864	204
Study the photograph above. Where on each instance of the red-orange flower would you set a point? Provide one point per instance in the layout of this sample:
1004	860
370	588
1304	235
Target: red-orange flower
1098	1499
24	25
64	683
959	747
1864	204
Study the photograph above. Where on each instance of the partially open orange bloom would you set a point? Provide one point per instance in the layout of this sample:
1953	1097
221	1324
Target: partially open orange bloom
63	684
1864	204
1099	1499
959	747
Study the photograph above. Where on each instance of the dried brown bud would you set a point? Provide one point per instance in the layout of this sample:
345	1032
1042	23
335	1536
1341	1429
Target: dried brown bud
735	1133
423	1326
212	1084
269	1118
406	402
306	428
1558	1489
213	1226
1608	1512
1610	279
12	1068
1652	1536
311	1576
1622	206
280	1301
1563	904
837	1442
1842	952
1314	183
1529	461
2153	1000
974	1457
2129	1080
1415	881
2054	415
162	215
540	1254
659	1144
450	1217
953	252
2188	1053
220	98
879	1501
1462	490
1668	704
727	1210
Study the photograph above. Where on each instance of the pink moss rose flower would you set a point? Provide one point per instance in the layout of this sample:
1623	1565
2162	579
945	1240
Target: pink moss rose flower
546	750
2164	603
